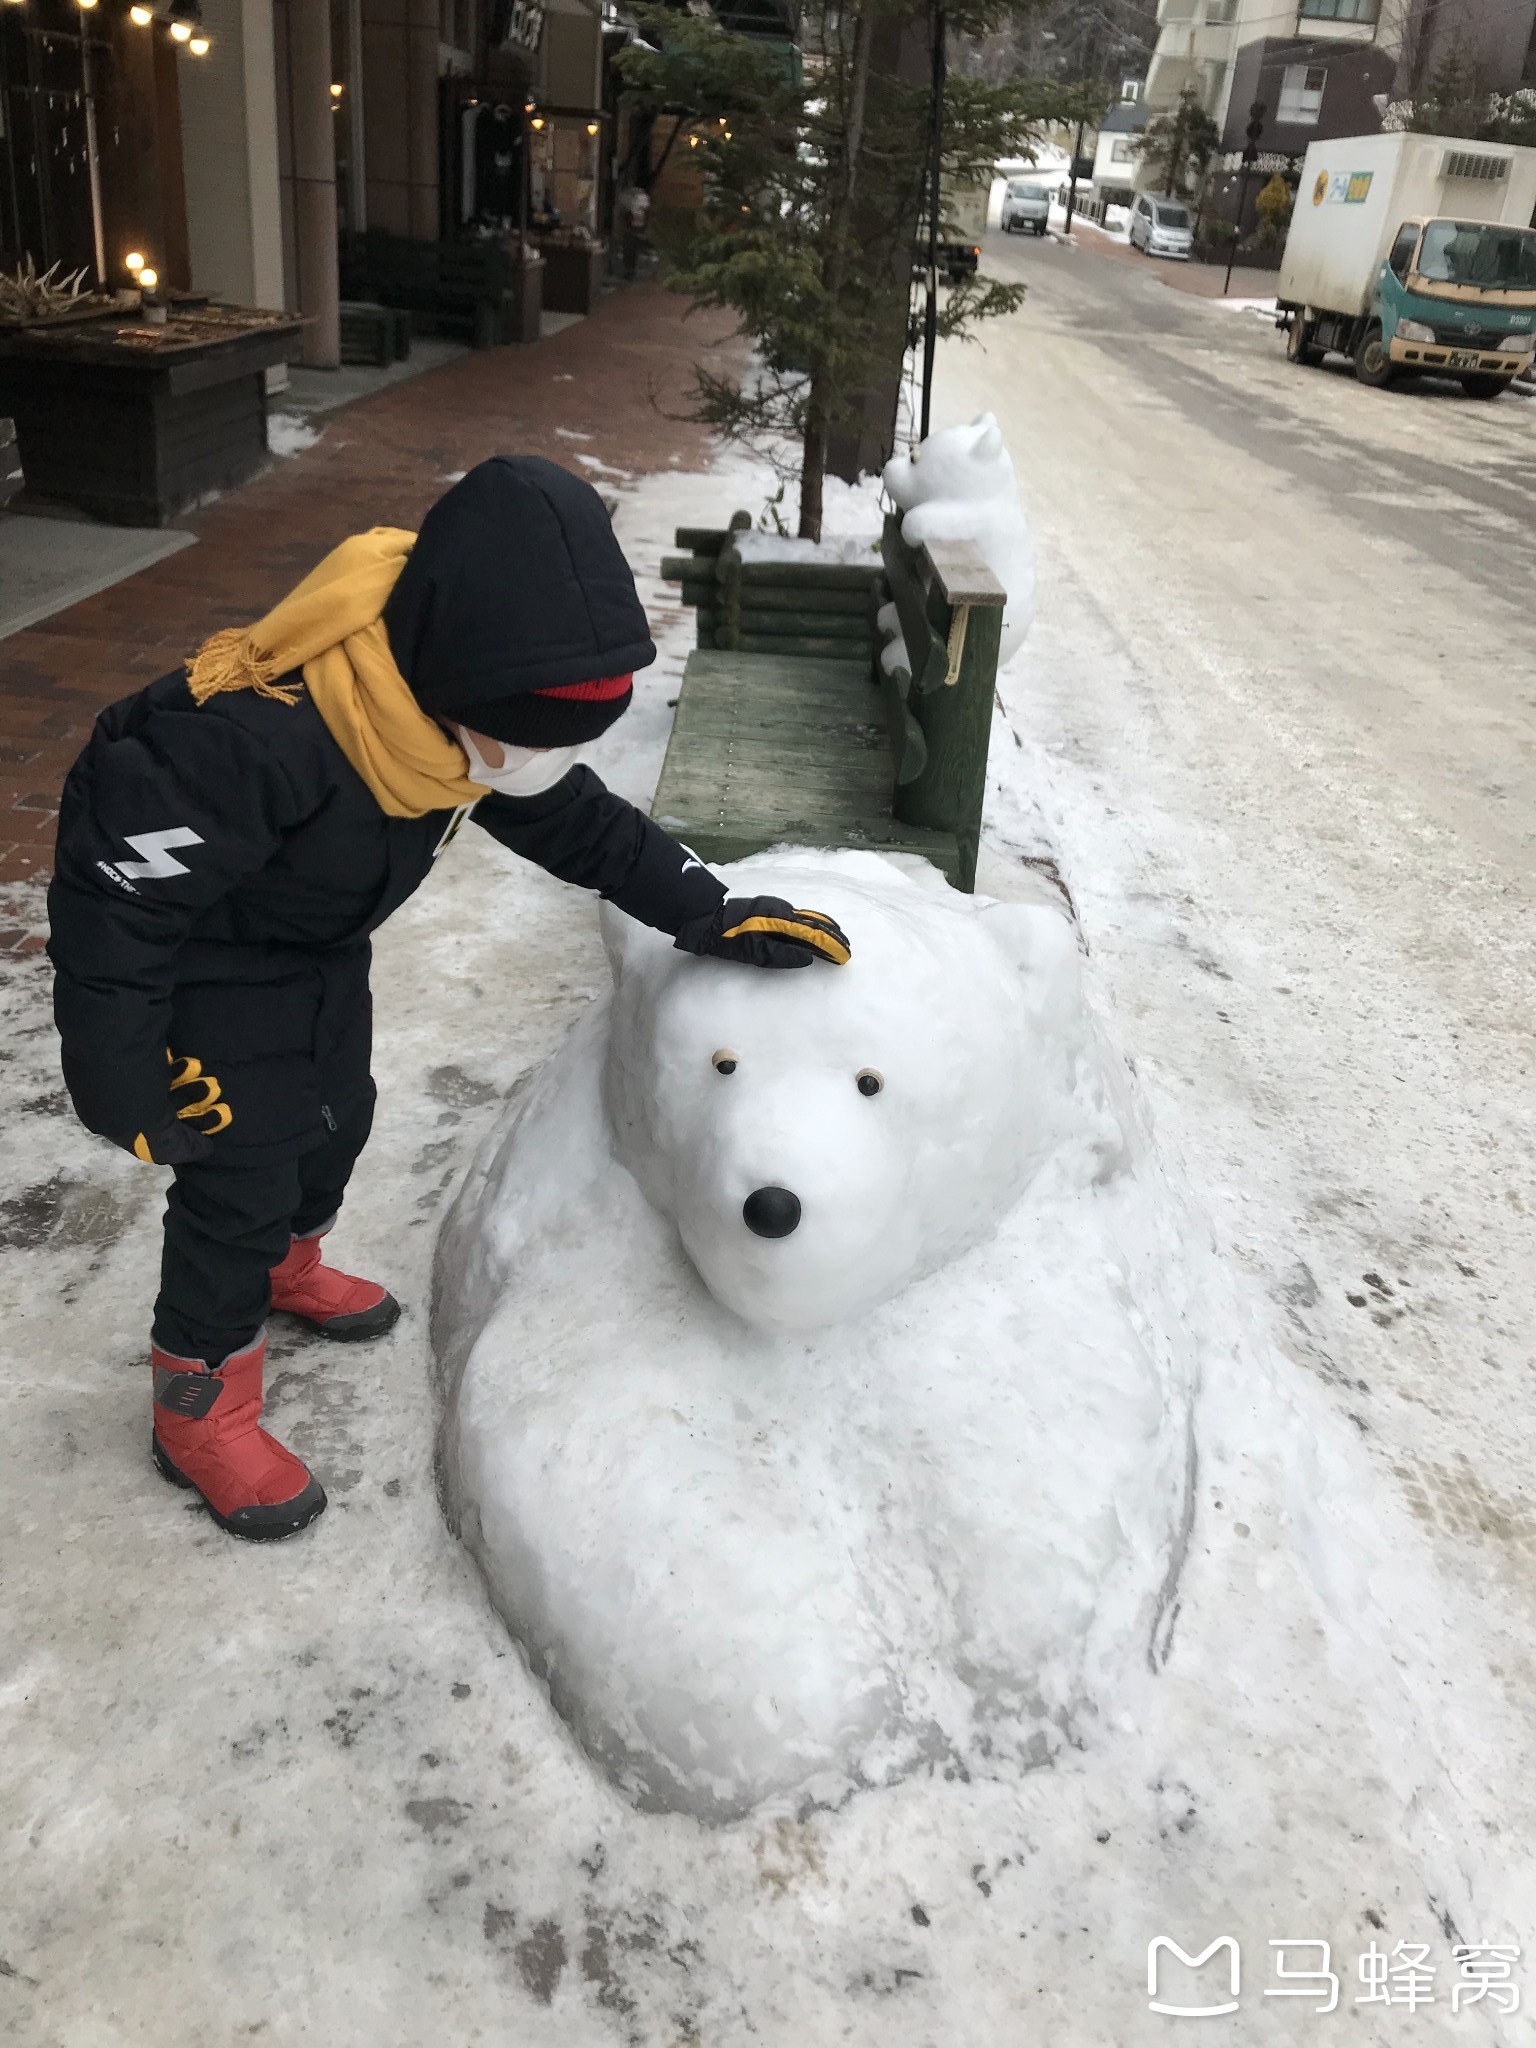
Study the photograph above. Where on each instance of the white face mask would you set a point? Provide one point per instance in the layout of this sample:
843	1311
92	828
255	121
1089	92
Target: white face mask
524	771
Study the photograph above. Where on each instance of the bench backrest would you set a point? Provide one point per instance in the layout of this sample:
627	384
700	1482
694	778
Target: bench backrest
937	668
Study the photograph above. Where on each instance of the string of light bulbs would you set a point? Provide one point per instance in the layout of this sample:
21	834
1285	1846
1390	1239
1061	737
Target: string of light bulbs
183	19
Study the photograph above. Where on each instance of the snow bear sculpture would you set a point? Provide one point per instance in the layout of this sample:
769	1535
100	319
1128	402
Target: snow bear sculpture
959	484
810	1404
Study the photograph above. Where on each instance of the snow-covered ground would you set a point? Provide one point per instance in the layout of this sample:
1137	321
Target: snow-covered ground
314	1795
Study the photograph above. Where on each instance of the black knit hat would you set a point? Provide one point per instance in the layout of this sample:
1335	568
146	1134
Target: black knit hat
516	613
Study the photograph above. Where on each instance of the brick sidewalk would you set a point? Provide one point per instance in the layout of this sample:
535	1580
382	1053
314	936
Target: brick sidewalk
608	382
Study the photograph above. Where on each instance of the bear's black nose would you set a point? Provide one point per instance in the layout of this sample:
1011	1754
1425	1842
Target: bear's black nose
771	1212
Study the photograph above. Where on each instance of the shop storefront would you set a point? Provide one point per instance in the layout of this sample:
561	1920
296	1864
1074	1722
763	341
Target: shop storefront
566	158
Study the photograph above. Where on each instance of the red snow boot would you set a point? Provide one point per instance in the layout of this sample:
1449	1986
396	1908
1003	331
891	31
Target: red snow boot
207	1436
333	1303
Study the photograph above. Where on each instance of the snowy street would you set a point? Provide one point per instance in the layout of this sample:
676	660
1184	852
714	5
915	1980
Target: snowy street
1283	658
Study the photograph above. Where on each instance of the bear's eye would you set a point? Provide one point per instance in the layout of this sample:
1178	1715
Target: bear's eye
723	1061
870	1082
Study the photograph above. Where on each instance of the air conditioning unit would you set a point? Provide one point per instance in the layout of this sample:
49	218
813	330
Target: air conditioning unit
1469	163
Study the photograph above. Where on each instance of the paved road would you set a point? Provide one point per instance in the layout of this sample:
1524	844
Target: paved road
1282	678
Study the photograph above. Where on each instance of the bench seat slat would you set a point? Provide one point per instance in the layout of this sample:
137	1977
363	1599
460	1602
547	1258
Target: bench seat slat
764	751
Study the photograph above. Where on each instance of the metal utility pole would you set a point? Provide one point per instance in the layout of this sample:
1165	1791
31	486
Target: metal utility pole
1176	147
935	161
1256	115
1077	150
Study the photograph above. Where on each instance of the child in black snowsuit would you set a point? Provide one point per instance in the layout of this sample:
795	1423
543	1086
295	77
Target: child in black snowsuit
232	835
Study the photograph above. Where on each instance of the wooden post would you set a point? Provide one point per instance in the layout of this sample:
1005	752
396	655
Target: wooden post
965	612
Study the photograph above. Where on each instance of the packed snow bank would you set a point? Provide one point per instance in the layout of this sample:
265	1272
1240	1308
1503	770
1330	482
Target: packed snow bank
786	1515
289	434
777	547
959	484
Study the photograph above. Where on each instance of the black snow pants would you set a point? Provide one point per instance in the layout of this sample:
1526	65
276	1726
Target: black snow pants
290	1060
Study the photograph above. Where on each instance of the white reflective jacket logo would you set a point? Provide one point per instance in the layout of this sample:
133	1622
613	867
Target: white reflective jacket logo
158	863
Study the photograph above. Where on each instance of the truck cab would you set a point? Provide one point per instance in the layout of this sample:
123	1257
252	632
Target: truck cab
1459	296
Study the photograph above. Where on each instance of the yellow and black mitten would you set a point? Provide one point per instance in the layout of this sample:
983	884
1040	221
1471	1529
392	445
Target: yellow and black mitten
187	1132
765	931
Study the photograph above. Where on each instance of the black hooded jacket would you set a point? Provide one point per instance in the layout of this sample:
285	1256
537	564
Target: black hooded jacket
515	584
219	868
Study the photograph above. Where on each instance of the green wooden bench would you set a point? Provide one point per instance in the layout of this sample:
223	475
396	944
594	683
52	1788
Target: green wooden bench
831	703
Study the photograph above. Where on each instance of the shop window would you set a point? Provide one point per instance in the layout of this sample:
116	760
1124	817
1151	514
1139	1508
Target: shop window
563	162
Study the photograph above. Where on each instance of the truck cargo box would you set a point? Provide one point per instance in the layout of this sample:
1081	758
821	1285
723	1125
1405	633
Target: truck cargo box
1355	192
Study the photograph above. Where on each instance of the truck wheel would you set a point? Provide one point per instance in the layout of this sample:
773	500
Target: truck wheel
1373	365
1299	345
1483	387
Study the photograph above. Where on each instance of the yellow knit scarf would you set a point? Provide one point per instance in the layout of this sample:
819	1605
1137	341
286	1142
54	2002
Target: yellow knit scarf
331	625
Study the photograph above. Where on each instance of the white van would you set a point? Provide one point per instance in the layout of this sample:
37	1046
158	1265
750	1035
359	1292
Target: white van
1163	227
1026	204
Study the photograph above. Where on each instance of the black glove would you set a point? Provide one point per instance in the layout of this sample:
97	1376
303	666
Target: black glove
169	1144
177	1140
764	931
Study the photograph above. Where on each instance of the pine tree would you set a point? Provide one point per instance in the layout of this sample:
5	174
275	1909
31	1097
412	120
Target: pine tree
1177	146
814	176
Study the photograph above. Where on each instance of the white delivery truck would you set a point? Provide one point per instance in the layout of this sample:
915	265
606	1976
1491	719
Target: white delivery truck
1413	253
963	222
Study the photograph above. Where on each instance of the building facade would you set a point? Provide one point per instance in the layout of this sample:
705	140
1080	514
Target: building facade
1319	67
1323	68
227	142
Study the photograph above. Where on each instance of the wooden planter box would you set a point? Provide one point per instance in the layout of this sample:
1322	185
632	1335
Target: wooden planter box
472	291
573	276
133	425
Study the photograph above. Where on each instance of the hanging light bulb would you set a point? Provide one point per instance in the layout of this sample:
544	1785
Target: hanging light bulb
85	5
148	278
198	45
182	31
133	261
141	17
537	121
337	91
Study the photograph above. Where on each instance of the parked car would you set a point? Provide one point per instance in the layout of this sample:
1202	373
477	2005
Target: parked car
1162	227
1026	204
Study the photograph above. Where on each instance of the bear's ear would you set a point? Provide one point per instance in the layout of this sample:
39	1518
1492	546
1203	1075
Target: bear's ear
628	943
989	442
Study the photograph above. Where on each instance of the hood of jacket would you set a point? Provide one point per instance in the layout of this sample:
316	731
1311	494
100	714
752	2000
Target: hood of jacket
516	583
